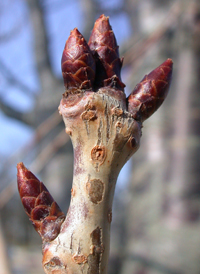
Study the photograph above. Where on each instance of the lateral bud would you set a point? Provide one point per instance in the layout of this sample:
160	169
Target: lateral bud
43	211
104	47
78	65
150	93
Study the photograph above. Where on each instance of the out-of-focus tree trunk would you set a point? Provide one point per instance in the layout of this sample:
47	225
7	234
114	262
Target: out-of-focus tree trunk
163	210
89	8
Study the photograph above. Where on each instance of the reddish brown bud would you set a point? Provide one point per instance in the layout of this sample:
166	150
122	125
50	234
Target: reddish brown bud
104	46
150	93
78	65
43	211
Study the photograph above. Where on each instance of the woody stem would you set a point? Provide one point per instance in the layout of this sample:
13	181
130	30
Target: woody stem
103	137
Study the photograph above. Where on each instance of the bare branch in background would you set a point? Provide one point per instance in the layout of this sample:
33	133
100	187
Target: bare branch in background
14	80
90	9
42	52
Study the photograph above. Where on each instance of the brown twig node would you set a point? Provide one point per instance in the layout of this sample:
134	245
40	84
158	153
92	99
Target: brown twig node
105	129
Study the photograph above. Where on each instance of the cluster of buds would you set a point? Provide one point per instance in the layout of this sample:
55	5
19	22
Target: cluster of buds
97	64
89	67
92	65
105	128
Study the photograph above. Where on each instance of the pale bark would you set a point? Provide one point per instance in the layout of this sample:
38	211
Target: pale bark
104	136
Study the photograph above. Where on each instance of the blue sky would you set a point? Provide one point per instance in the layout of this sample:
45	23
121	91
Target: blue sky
19	82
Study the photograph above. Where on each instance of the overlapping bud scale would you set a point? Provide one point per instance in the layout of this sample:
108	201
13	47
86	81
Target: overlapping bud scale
150	93
78	65
104	46
93	65
43	211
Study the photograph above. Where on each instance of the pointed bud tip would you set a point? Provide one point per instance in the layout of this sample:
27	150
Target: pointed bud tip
101	26
21	169
168	63
103	22
20	166
74	38
75	31
23	173
167	66
162	72
102	16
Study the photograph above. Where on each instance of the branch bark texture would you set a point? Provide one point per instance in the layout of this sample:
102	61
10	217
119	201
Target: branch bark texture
105	129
